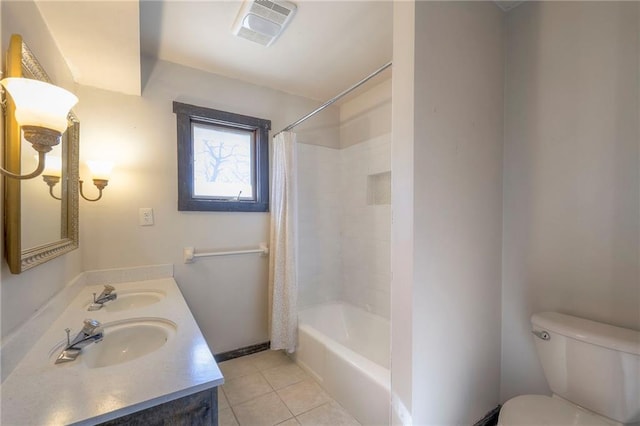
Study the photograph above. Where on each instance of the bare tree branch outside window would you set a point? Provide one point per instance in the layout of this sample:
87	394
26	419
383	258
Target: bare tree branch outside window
222	162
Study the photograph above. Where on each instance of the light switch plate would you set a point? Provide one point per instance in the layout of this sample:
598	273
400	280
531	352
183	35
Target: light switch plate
145	216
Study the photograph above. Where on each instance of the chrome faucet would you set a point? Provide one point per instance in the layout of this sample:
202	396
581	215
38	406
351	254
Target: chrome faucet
106	295
91	333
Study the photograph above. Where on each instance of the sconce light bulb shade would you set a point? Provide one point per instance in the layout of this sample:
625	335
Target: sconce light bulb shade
100	170
40	104
52	165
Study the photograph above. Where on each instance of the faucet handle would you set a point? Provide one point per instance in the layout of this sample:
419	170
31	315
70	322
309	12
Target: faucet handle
92	322
108	289
90	325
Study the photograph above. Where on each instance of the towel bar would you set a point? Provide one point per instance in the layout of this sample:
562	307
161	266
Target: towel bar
190	254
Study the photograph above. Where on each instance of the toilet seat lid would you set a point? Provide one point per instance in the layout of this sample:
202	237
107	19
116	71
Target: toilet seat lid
541	410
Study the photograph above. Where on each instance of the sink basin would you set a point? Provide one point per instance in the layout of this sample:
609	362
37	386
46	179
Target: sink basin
131	300
127	340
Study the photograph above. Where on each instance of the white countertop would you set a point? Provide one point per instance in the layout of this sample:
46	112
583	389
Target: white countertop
39	392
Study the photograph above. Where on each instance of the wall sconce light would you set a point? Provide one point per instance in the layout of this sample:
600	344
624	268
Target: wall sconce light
100	172
41	110
52	172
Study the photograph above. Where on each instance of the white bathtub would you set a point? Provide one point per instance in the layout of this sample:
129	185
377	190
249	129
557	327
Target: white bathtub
346	349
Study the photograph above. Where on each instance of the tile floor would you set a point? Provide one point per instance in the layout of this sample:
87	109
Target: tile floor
268	388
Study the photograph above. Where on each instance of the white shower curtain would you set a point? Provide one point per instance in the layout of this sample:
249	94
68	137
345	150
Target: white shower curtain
283	272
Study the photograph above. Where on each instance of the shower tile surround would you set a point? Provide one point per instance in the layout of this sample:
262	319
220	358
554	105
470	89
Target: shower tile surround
366	227
345	230
319	199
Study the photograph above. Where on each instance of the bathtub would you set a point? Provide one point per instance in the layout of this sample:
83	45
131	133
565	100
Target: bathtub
346	349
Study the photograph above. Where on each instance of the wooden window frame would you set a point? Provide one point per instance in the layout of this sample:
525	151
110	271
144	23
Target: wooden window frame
186	115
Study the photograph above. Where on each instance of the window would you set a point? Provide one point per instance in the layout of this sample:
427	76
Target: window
223	160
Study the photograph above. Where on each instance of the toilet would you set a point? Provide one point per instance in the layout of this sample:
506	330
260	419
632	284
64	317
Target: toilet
593	370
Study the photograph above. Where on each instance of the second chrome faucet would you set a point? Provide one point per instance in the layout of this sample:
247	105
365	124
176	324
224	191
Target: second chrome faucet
106	296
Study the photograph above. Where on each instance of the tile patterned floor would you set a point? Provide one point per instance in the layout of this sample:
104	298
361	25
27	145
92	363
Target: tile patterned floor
268	388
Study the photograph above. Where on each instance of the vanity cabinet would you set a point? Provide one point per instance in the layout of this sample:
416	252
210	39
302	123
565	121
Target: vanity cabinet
198	409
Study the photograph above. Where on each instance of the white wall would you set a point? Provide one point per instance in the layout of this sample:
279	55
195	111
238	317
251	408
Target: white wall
368	114
456	210
23	294
227	295
571	181
402	188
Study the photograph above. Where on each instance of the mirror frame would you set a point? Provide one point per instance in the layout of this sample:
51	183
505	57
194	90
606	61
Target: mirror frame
21	62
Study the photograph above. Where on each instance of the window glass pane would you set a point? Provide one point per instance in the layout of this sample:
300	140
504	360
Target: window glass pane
223	162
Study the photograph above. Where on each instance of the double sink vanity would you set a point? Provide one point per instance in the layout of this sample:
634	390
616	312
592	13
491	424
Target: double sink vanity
135	356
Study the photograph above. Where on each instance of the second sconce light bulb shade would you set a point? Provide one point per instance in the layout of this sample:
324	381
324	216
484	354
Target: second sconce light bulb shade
52	165
40	104
100	169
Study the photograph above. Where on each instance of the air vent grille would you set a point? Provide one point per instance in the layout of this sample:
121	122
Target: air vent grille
270	12
254	36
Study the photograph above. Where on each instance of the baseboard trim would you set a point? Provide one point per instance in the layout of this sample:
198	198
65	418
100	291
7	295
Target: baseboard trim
237	353
490	419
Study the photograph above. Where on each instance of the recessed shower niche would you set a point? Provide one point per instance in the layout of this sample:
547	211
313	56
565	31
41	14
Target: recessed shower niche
379	189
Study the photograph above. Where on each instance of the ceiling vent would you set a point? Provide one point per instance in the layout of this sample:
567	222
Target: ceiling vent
262	21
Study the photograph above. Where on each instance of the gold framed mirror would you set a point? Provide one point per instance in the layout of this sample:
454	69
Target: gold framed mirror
38	226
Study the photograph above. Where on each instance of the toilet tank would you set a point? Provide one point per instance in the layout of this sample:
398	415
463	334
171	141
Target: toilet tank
593	365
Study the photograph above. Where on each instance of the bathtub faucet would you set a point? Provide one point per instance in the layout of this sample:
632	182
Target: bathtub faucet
90	333
106	295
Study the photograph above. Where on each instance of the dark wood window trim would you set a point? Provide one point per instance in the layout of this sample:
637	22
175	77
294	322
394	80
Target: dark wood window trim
187	115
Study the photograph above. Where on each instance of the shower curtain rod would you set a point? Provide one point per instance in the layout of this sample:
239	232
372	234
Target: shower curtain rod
335	98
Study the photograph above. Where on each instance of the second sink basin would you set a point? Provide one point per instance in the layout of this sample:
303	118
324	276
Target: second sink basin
127	340
132	300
